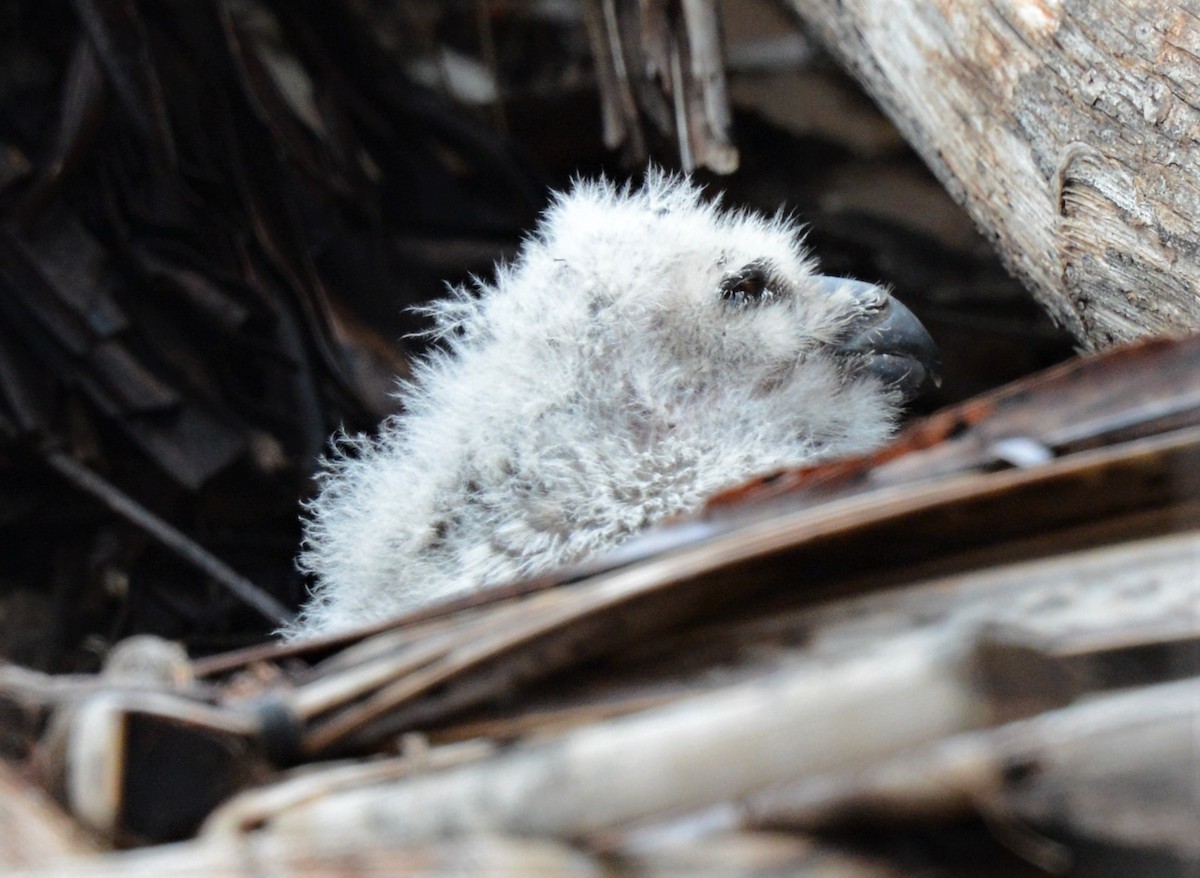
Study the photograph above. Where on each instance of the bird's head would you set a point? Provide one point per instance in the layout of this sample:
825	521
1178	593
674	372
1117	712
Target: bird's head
689	318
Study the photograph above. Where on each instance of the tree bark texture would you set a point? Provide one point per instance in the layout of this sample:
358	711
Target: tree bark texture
1068	129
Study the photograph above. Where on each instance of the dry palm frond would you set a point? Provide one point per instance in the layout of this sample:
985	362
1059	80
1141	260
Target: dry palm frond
810	643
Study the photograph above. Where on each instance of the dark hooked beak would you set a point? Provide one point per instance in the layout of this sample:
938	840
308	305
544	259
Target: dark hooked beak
888	340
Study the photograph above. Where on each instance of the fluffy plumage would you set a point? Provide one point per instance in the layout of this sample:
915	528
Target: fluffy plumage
644	349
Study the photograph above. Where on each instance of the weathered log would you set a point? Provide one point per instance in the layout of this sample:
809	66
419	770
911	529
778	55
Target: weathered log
696	753
1104	773
1067	128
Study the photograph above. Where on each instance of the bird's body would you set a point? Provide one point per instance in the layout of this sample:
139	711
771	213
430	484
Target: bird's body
644	350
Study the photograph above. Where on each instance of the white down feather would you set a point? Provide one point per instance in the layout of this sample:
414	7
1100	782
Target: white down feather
601	384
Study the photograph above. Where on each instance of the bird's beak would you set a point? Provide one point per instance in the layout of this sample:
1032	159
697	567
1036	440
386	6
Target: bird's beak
888	340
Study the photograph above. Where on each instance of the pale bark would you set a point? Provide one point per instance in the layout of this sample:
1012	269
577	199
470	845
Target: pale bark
1067	128
696	753
1117	768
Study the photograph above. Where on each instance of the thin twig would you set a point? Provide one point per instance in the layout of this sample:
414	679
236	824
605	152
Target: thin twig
182	545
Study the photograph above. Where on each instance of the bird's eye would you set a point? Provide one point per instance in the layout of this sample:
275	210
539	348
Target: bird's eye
749	285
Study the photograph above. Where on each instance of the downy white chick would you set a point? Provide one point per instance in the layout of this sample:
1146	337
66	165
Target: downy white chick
644	350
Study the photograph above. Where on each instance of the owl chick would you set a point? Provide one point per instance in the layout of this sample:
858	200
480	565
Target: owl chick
645	349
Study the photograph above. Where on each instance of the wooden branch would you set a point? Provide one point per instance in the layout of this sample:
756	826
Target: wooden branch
1115	768
699	752
1068	131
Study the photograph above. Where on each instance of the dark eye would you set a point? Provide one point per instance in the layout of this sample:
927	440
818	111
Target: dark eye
749	285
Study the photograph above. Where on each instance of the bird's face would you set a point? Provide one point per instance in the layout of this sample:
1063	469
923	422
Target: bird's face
738	299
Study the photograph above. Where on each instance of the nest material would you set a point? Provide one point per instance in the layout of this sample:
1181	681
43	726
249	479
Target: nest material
804	656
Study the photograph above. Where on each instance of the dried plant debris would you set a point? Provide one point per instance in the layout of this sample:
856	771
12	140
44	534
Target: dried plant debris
206	244
660	69
777	669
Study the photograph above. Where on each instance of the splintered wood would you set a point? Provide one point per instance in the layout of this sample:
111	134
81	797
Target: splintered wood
659	65
994	617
